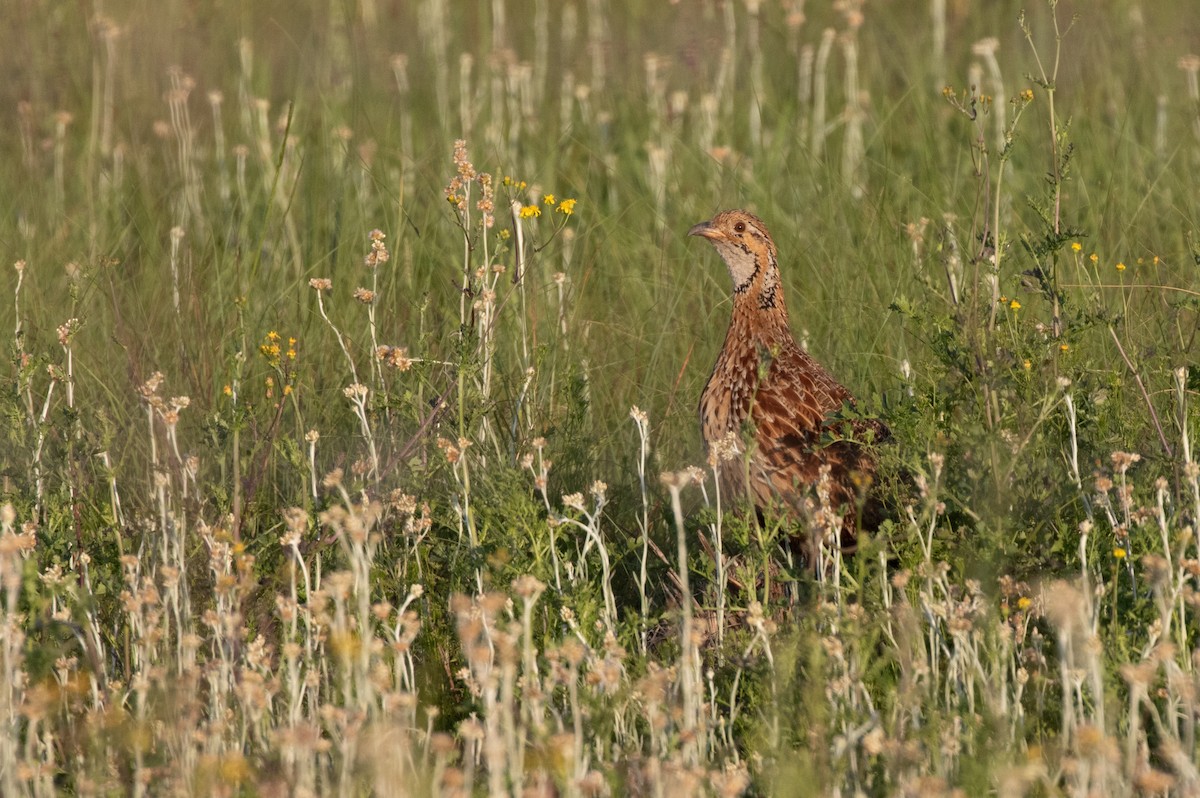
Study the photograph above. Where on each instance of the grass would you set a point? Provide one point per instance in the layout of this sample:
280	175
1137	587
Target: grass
295	507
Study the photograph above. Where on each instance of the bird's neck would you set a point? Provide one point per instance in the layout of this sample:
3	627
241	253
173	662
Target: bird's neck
758	304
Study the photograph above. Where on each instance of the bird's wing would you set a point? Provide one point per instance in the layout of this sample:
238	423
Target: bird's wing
789	411
797	395
795	414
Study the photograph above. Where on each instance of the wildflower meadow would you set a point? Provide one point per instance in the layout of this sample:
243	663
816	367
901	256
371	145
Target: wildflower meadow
348	430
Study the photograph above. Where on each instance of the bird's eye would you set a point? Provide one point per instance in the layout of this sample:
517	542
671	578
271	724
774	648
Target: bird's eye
740	227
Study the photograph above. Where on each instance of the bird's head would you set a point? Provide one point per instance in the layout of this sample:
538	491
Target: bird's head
744	244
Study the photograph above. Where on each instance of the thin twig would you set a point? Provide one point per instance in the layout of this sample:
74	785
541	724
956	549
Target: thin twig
1153	414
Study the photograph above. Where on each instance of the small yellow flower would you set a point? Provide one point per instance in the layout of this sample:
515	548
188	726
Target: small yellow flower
1014	305
1028	365
1093	257
227	390
287	390
1024	602
504	234
270	351
1120	266
1119	553
1076	246
272	336
548	199
1063	347
1155	260
567	207
530	212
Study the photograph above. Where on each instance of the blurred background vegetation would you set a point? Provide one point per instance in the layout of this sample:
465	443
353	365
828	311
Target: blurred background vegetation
616	106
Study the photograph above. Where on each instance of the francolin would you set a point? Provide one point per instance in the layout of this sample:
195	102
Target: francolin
778	406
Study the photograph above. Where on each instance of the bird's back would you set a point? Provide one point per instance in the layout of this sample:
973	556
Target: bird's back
781	405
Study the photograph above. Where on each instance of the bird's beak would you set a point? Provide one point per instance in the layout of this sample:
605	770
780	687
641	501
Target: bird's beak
705	230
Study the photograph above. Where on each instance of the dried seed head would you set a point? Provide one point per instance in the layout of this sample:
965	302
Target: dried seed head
333	478
1158	570
528	587
1065	606
1123	460
395	356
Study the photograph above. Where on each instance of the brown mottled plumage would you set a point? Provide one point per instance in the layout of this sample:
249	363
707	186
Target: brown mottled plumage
763	376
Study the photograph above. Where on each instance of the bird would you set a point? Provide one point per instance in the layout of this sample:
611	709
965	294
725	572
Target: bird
780	411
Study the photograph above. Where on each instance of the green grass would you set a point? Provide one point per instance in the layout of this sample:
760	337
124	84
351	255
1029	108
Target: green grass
267	588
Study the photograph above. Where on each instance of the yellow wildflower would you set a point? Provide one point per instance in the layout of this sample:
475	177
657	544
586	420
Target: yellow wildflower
1064	347
1023	602
227	390
1027	364
1120	266
567	206
1093	257
1076	246
548	199
1119	553
270	351
1014	305
530	212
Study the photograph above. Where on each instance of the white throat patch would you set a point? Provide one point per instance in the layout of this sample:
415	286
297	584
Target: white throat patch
740	260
